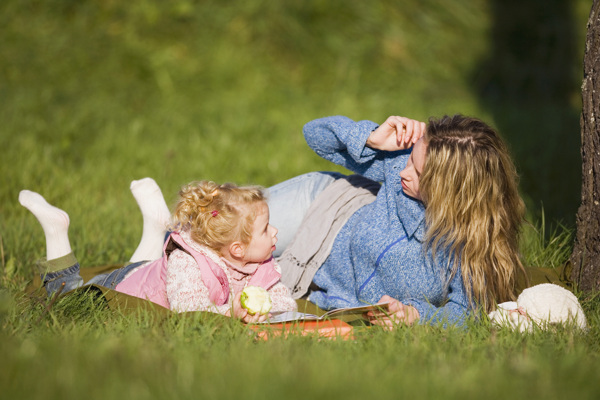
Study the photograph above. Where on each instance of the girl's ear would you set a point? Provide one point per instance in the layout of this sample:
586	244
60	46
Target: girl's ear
237	249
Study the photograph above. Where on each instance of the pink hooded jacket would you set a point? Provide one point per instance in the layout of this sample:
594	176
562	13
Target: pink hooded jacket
149	281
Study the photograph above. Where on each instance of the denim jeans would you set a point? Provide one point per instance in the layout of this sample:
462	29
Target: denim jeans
53	281
289	201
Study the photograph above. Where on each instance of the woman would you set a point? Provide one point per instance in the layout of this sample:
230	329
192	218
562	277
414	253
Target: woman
439	240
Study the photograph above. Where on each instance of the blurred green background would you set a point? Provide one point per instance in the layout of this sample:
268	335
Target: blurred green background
96	93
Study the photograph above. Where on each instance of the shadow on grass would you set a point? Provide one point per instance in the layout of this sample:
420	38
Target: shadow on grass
531	87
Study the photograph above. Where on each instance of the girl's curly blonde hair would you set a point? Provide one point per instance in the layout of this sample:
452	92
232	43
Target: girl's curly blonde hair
473	209
217	215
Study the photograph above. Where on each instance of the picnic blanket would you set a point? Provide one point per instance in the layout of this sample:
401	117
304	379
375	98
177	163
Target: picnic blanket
126	303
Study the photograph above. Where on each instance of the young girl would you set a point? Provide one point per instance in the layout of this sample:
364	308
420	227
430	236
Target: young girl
221	242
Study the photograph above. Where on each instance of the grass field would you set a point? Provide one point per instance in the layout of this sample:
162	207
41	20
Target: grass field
95	94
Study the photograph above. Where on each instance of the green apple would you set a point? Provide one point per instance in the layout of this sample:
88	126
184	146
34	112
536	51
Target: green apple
256	300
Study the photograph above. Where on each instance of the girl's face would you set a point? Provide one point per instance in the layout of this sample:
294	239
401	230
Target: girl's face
412	172
264	237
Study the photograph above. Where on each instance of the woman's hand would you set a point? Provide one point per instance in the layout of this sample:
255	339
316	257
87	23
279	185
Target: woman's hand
397	313
396	133
243	314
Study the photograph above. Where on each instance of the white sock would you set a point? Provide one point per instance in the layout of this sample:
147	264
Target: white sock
156	217
54	221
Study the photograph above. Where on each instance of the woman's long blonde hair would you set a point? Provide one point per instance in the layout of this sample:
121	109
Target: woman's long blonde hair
473	209
217	215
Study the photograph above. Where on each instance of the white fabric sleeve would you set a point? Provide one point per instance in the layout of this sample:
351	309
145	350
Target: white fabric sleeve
281	298
185	289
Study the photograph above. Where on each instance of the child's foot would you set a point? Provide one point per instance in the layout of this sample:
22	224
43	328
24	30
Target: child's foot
156	217
54	222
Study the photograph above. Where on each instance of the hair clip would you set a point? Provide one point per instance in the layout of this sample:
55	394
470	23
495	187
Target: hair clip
214	213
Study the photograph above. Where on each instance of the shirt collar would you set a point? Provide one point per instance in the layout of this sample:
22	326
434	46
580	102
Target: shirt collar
248	269
411	213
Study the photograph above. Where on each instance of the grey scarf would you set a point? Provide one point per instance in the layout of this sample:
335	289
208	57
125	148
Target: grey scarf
313	242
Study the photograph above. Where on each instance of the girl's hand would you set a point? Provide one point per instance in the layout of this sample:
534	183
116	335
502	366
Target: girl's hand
396	133
397	313
241	313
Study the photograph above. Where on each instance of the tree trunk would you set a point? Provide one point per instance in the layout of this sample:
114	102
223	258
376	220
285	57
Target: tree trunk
586	252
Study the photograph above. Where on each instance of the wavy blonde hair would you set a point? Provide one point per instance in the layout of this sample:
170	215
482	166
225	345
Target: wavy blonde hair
473	209
217	215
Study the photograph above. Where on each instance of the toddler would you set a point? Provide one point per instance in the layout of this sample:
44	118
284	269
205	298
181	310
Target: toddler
220	242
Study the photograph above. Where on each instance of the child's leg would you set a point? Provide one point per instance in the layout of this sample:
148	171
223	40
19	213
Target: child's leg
61	265
156	218
54	221
112	279
60	273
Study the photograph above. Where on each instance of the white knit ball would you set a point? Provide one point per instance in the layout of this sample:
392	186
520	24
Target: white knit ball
541	305
551	304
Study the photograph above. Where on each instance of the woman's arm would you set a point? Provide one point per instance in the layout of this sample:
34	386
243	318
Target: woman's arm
343	142
453	312
360	146
397	313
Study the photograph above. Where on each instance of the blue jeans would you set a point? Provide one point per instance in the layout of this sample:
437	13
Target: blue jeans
289	201
53	281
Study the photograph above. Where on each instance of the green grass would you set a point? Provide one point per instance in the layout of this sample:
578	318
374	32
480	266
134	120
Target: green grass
94	94
546	249
82	350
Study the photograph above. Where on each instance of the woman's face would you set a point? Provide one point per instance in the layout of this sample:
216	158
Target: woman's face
411	173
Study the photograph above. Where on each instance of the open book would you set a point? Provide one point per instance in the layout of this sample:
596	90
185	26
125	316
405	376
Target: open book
285	316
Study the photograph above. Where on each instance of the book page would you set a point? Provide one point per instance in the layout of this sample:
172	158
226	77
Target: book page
286	316
356	310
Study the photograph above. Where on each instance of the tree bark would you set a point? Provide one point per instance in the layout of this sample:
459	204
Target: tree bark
585	258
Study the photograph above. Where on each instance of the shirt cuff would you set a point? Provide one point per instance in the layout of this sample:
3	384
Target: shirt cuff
357	140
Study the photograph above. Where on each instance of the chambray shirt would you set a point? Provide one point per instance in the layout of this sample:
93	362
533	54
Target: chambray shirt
380	251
